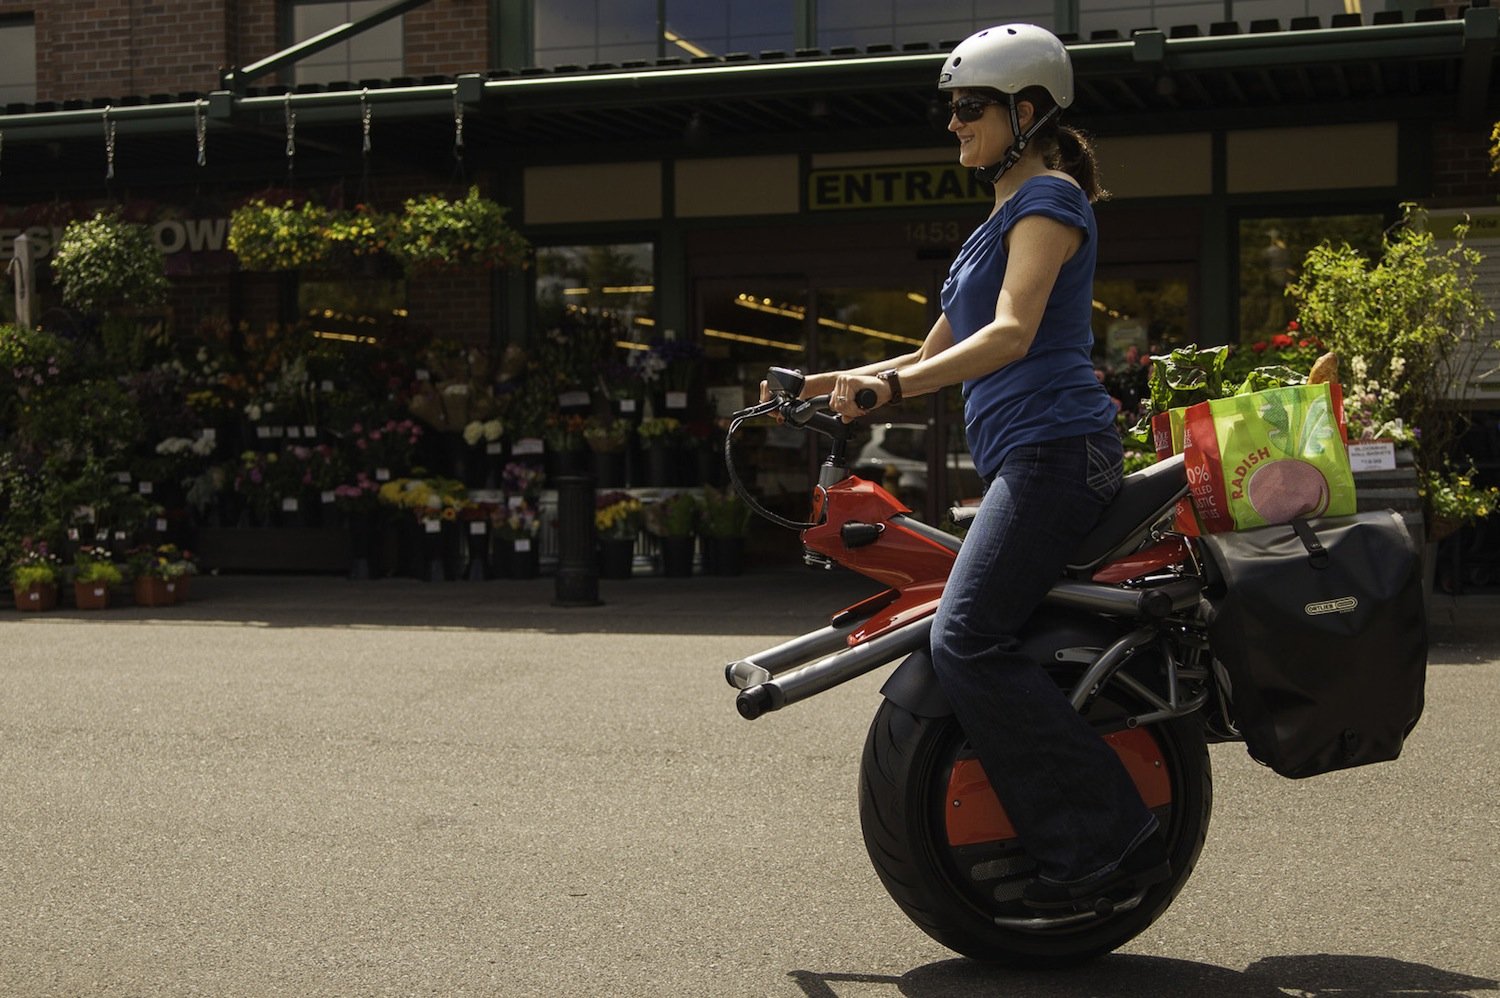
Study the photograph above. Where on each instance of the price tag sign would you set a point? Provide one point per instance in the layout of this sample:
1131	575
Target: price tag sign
289	505
677	400
494	447
329	496
477	528
294	432
527	445
382	474
571	399
161	526
146	488
627	406
431	526
263	432
1373	455
523	544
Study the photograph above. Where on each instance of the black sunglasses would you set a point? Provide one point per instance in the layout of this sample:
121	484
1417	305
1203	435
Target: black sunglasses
969	109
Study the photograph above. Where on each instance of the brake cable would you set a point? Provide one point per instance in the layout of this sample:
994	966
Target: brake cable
763	409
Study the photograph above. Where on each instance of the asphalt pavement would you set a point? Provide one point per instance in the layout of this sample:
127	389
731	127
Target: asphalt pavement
315	786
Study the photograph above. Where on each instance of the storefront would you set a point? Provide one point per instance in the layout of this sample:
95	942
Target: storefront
799	207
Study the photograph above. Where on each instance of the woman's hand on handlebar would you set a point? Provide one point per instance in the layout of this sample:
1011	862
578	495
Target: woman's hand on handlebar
813	386
846	395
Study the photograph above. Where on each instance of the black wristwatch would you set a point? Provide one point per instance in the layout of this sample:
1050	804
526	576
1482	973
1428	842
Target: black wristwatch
893	382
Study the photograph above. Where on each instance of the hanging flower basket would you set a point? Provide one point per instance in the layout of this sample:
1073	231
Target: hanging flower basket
280	237
108	261
436	233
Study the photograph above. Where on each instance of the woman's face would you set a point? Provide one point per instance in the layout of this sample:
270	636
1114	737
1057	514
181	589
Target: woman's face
980	142
985	140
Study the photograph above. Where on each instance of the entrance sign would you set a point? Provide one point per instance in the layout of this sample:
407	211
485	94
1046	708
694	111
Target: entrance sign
916	185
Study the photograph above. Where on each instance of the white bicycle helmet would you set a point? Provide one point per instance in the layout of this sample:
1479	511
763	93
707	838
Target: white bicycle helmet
1009	58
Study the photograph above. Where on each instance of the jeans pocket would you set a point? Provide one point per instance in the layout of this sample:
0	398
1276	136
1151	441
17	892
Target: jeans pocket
1105	470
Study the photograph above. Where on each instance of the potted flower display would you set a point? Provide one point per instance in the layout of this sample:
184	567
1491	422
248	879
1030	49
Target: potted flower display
673	521
33	577
151	578
724	523
659	438
606	438
514	528
94	573
617	518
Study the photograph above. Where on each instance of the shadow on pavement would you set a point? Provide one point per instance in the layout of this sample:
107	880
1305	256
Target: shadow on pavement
1124	976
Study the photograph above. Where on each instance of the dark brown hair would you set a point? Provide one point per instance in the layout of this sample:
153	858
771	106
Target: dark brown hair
1063	147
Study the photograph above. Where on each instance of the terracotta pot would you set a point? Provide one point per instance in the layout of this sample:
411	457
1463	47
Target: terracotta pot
91	595
42	596
151	591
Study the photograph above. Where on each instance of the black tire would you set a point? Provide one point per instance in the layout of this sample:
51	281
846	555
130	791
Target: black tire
954	893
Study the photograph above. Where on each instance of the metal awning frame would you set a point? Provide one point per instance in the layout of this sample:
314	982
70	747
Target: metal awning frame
1468	44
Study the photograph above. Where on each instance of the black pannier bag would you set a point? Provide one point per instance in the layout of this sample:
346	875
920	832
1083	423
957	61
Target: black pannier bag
1322	628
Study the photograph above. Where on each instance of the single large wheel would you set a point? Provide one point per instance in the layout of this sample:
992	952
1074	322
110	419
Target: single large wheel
946	852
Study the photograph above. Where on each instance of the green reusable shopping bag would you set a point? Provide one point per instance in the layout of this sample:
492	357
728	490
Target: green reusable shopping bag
1268	457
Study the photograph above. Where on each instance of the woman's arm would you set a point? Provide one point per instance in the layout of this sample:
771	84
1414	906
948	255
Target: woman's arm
938	339
1038	247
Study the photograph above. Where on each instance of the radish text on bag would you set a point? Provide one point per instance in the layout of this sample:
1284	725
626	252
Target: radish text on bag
1268	457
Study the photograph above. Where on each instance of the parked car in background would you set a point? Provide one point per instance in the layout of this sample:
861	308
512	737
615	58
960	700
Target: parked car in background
896	456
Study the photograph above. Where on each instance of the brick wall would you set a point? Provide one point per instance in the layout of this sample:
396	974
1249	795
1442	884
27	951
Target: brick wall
1461	164
118	48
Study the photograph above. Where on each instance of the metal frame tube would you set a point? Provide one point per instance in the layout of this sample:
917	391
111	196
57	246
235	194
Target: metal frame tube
826	673
753	670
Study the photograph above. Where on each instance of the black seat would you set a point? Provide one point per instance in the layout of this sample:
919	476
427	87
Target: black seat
1144	498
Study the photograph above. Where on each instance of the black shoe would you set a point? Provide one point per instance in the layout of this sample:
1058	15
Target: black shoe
1147	864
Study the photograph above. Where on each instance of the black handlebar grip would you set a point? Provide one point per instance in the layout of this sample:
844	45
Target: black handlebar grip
865	398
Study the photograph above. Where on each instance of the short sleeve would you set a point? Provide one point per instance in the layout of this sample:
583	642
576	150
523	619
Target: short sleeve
1050	197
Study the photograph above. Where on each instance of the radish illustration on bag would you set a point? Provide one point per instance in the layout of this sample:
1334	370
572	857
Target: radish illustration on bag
1268	457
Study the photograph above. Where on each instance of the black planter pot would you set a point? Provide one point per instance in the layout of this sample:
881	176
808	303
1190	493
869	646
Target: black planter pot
677	557
661	465
520	558
724	555
616	558
609	469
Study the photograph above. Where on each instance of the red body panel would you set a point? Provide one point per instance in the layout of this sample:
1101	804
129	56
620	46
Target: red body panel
974	814
899	558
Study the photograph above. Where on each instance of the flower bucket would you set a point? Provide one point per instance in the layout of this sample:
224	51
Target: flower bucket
91	595
616	558
42	596
151	591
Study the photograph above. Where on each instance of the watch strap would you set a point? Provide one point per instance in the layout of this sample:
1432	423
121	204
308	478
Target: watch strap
893	382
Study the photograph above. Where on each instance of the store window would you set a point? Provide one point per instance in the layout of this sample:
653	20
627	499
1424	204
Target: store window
375	53
596	306
1125	16
583	32
1271	255
862	23
17	61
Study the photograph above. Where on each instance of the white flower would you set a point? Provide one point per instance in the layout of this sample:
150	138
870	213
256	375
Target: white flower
493	430
473	432
1398	366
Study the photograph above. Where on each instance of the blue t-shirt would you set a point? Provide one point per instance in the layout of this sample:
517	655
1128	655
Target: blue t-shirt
1051	392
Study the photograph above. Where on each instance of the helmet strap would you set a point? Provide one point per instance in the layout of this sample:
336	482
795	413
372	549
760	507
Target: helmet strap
990	174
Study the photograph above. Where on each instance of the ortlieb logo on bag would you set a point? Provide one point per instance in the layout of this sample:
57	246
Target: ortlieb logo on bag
1321	625
1331	606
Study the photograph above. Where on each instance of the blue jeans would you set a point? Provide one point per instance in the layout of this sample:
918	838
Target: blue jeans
1075	808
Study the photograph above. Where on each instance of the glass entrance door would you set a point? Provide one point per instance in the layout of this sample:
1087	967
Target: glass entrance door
752	323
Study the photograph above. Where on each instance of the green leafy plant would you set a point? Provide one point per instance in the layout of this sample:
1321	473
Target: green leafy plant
95	564
107	261
1411	328
435	232
661	429
724	514
675	516
606	435
34	566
